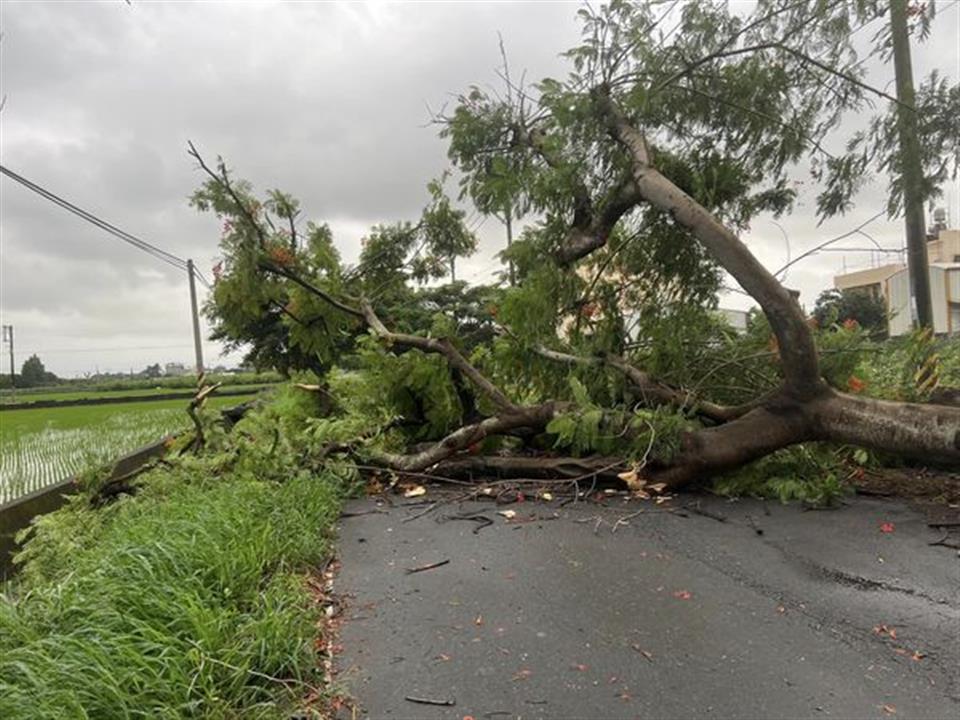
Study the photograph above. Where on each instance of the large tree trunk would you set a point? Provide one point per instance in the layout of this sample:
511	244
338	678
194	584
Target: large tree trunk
925	432
919	430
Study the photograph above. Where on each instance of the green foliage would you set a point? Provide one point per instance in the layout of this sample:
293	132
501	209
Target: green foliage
414	391
922	369
444	229
640	435
187	599
807	473
842	350
840	306
937	105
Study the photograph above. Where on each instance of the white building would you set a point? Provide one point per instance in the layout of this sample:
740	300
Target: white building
892	283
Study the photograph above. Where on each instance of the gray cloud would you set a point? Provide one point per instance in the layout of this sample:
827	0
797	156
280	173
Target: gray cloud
329	102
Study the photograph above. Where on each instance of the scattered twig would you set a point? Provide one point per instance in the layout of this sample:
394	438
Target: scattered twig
476	517
423	512
429	701
375	511
625	520
646	654
424	568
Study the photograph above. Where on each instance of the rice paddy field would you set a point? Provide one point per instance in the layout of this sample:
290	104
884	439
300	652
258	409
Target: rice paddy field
41	446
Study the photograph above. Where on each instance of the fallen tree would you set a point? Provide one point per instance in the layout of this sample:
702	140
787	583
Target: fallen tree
641	169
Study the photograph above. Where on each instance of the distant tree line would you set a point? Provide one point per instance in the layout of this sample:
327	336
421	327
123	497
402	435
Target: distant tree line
32	374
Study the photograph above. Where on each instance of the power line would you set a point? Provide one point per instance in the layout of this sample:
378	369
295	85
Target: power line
126	237
823	245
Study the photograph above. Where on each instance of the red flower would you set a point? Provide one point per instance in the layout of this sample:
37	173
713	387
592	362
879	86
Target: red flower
281	256
855	384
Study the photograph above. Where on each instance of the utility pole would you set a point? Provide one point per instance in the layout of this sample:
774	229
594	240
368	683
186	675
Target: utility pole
8	337
196	318
910	167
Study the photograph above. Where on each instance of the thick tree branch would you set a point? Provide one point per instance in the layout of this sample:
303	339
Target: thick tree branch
928	432
568	469
591	225
654	392
441	346
797	347
535	416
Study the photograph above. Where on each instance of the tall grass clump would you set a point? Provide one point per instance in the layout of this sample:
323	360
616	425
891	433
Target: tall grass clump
185	600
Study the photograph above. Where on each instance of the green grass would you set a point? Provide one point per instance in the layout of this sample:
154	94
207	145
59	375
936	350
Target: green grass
184	601
40	446
95	394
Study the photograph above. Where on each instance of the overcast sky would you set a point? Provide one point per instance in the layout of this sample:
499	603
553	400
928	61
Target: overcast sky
327	101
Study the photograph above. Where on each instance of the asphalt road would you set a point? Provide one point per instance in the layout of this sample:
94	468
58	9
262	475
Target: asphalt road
761	611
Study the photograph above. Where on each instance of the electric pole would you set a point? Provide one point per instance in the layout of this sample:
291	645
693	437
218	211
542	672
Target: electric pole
8	337
196	318
910	166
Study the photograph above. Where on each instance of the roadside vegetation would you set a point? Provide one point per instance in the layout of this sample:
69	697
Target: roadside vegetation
188	598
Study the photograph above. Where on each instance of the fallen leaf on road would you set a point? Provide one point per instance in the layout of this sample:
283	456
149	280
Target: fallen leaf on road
683	594
415	491
508	514
781	609
885	630
917	656
657	487
887	527
889	709
479	620
442	657
578	667
547	496
632	480
522	674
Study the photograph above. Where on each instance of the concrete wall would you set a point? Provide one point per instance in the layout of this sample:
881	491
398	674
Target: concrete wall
865	278
938	297
946	248
898	303
944	294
